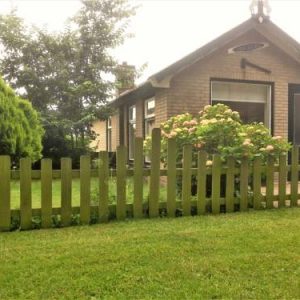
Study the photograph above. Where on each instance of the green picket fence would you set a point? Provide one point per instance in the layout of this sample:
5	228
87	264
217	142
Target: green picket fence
200	204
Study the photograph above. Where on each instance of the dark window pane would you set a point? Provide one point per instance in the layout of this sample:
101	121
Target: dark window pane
297	120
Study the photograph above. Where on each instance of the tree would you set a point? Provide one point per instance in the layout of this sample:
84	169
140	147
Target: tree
20	127
66	75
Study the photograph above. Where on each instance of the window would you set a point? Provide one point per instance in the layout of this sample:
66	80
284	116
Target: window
131	130
149	119
252	101
149	116
109	136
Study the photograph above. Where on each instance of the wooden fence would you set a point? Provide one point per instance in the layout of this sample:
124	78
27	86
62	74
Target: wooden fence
201	204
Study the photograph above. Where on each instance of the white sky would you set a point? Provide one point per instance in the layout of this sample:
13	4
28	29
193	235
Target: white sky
165	30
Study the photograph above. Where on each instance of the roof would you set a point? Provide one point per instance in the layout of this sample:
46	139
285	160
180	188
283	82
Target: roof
268	29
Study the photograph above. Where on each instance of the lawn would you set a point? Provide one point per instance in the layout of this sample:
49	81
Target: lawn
233	256
56	190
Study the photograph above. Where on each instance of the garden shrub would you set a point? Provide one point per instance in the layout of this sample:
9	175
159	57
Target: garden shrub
219	130
20	127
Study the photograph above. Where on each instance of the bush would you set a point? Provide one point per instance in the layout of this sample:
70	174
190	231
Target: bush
219	130
20	127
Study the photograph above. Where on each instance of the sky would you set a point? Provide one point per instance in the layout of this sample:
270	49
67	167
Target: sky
164	30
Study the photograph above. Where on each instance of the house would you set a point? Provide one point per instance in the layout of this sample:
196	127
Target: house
254	68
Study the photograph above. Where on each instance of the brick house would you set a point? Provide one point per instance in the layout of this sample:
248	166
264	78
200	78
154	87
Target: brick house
254	68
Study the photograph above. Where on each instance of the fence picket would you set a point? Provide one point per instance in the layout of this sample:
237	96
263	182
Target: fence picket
270	182
187	180
121	183
103	186
294	176
282	180
171	186
257	196
201	183
155	174
85	189
244	184
66	191
25	193
138	178
46	192
216	184
230	185
5	213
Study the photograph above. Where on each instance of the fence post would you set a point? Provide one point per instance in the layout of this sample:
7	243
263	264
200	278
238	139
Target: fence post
5	213
230	185
66	191
186	180
121	183
25	193
85	189
171	183
201	183
282	180
270	182
138	178
46	191
294	175
103	186
257	183
216	187
244	184
155	174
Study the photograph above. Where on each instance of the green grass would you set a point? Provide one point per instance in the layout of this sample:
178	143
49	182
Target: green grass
235	256
36	192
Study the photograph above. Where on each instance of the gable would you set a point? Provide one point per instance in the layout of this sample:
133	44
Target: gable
268	31
223	64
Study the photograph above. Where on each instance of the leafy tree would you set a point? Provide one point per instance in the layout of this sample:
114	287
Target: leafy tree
66	74
20	127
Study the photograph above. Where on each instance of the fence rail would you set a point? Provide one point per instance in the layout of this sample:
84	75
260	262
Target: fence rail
216	188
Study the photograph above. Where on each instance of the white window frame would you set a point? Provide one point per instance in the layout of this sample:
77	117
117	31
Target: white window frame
148	118
268	108
131	126
109	135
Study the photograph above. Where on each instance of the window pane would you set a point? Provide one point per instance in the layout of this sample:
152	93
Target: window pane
149	125
149	107
109	146
241	92
132	113
296	120
249	112
131	134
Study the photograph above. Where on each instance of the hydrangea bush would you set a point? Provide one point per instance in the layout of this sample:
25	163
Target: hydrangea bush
219	130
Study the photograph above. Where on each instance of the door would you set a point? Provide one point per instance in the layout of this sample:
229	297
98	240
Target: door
294	114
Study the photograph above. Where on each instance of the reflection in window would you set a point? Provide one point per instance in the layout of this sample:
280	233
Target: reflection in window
109	135
131	130
149	120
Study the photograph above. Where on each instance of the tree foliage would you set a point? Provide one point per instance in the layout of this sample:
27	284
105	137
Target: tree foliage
20	127
66	74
